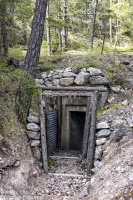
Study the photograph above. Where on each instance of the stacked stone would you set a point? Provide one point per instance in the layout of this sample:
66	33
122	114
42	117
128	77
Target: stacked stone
72	76
102	135
116	131
33	133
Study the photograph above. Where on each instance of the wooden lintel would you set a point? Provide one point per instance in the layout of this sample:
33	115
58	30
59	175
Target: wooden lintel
79	88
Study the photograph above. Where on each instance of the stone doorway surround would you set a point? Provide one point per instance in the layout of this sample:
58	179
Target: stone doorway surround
66	90
64	98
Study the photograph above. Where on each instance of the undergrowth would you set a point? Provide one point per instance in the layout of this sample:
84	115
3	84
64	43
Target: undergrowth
103	111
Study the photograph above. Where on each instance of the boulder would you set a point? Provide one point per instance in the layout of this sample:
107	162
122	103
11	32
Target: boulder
33	127
68	69
66	81
98	152
102	125
101	141
69	74
82	78
98	80
39	81
103	133
33	135
35	143
58	76
75	70
36	153
33	119
44	75
58	71
83	70
48	84
116	135
127	60
117	123
56	82
94	72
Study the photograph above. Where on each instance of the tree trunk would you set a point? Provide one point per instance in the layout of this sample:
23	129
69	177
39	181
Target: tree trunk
59	17
48	32
93	24
4	40
27	87
110	22
117	25
36	37
64	31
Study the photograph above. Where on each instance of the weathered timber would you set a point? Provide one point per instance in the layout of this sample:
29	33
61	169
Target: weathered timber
91	141
87	128
43	137
64	157
100	88
47	121
59	121
64	93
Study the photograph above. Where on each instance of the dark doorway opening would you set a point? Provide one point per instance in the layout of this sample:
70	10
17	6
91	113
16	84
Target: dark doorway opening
77	122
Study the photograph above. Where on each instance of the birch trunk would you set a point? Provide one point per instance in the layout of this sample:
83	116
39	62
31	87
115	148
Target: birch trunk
64	31
48	31
93	24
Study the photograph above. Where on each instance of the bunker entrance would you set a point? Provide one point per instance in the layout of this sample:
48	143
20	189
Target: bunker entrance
77	122
68	121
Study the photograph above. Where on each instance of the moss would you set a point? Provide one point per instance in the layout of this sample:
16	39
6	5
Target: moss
51	163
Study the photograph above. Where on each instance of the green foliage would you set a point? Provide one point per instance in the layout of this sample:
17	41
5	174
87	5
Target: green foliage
115	106
17	52
51	163
116	75
27	89
88	62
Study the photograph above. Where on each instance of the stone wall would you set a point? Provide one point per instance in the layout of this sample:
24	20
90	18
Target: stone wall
65	78
34	136
73	76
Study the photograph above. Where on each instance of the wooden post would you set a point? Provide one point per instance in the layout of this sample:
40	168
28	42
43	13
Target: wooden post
91	142
43	137
87	128
46	99
59	121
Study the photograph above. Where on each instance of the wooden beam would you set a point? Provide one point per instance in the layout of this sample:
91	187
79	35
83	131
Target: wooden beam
64	157
59	110
91	141
47	121
99	88
43	137
87	128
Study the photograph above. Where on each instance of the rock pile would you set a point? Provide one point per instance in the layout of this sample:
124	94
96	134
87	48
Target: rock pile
33	133
72	76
